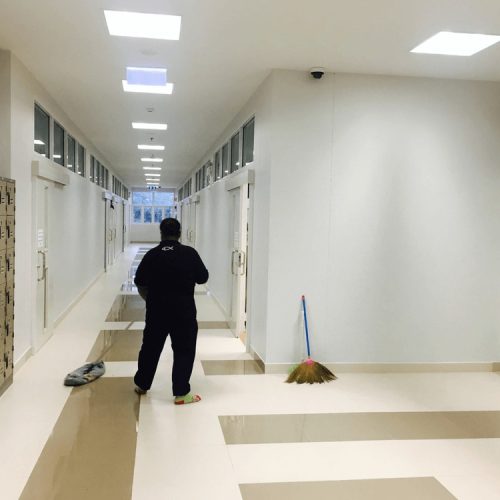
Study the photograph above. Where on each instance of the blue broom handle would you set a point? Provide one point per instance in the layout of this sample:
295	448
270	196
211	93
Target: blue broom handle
306	327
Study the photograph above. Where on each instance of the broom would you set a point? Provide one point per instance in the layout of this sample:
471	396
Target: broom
309	371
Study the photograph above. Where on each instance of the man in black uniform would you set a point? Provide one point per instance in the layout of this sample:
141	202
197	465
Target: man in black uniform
166	278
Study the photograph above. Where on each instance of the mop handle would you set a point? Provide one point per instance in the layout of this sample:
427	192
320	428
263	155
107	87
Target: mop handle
306	327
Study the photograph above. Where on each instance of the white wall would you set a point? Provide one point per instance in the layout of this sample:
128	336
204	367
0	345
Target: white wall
76	213
415	235
145	233
214	241
74	240
392	232
215	220
5	106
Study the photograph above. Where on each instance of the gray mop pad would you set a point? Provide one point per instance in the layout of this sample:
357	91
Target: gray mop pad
85	374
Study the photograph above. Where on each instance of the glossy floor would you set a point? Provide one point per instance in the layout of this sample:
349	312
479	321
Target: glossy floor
61	443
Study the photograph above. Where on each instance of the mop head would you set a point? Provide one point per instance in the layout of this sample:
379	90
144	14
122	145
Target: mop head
310	372
85	374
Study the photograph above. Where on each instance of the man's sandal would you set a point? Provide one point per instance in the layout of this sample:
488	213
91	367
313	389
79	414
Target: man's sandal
187	399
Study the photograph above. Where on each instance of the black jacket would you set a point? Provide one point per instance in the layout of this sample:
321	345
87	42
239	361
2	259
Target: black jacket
169	272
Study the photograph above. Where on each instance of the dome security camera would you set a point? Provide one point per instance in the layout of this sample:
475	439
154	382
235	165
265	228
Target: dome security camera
317	73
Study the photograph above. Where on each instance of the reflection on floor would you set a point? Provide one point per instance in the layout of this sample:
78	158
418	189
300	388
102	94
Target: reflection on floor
127	308
91	452
116	345
325	427
376	489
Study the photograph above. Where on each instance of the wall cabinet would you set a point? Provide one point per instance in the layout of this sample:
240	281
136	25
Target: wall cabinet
7	273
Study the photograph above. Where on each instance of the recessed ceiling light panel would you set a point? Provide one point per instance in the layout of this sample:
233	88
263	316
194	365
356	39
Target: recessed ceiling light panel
456	44
152	160
166	89
147	76
151	168
142	25
149	126
152	147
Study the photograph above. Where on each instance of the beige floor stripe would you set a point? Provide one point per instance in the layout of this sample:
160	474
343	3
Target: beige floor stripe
325	427
421	488
232	367
212	325
127	308
91	452
116	345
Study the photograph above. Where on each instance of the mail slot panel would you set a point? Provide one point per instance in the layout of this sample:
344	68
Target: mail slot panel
11	198
11	231
3	232
3	266
2	362
3	198
9	301
9	264
9	363
9	336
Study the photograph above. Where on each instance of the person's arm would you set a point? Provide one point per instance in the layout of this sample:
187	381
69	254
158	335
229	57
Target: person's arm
143	291
201	272
142	277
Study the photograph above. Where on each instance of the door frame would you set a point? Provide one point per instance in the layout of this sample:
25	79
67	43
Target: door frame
243	181
44	173
41	252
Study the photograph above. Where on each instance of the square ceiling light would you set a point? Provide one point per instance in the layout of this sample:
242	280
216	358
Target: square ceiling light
147	81
456	44
142	25
166	89
149	126
152	147
152	160
146	76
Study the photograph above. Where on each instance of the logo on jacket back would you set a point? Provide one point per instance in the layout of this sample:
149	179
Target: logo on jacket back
167	249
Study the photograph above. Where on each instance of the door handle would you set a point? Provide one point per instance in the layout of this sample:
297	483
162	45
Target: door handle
43	266
242	258
232	261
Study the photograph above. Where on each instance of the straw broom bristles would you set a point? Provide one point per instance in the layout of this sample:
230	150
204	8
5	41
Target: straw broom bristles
310	372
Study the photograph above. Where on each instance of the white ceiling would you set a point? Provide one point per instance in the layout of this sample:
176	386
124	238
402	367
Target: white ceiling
227	48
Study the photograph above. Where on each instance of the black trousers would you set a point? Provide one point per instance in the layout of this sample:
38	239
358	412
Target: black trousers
183	333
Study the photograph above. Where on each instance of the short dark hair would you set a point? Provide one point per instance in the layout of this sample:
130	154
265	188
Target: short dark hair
170	228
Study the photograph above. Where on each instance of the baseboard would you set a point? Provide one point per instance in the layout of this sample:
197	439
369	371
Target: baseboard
74	302
24	357
6	384
393	367
258	359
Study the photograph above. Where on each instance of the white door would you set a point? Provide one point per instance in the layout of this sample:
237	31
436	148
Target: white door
110	239
192	218
184	220
239	251
196	210
124	224
43	328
